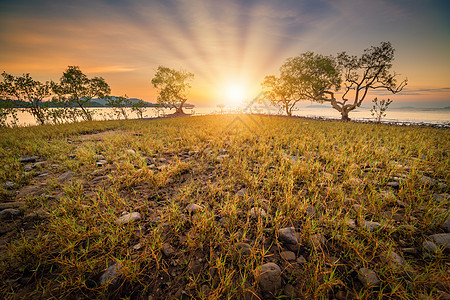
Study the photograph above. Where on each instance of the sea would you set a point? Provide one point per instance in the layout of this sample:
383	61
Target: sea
438	117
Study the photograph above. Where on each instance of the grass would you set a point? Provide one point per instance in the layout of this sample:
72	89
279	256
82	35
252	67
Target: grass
312	175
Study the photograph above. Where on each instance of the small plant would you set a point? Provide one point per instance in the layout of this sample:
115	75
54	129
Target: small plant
378	110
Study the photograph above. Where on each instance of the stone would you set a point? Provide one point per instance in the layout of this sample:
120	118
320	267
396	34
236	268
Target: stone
28	168
66	176
430	246
39	214
222	157
351	223
311	211
425	180
368	277
17	204
241	192
287	255
101	163
8	185
394	260
268	277
98	157
411	250
111	275
301	259
317	240
446	225
127	218
394	184
441	240
130	151
193	208
28	159
257	211
370	225
243	248
168	250
9	213
288	236
289	290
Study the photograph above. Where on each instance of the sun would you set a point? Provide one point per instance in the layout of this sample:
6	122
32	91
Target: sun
235	95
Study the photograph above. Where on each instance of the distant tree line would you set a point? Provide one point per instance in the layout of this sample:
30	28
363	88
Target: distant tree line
60	102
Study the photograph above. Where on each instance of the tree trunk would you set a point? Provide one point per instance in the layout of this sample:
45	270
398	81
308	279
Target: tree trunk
344	115
288	111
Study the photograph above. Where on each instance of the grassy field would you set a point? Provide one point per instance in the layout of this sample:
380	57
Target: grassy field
344	210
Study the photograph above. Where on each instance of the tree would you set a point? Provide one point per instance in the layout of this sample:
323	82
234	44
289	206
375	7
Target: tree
79	90
378	111
173	87
119	105
301	78
371	71
138	107
25	89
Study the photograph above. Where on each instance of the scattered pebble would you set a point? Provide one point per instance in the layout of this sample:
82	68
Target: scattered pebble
317	240
257	211
168	250
8	185
9	213
28	159
111	275
269	278
243	248
441	240
430	246
287	255
66	176
127	218
130	151
368	277
193	208
370	225
301	259
394	260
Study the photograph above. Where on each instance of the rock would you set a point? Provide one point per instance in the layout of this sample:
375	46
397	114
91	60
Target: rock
243	248
101	163
368	277
446	225
394	184
112	274
425	180
441	240
287	235
257	211
394	260
98	157
409	250
287	255
39	214
311	211
17	204
130	151
9	213
317	240
241	192
168	250
66	176
351	223
127	218
268	277
193	208
430	246
28	159
28	168
289	291
222	157
8	185
370	226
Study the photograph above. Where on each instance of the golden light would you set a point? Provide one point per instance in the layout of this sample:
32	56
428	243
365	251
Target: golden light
235	95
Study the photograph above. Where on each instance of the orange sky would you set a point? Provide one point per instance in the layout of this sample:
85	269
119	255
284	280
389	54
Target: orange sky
223	43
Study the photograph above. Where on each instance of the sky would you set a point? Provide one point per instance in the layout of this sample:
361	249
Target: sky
230	46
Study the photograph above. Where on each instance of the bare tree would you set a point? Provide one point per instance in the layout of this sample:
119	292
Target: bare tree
360	75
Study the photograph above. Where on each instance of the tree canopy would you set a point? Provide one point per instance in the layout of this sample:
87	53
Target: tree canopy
173	86
301	78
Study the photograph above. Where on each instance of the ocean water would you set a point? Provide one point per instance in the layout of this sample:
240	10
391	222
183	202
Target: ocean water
405	115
